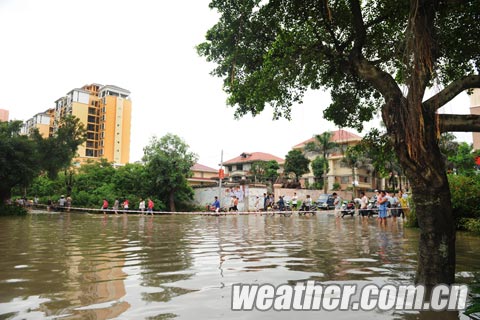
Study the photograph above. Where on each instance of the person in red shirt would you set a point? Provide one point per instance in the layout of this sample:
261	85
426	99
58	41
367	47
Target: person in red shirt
105	206
150	206
125	205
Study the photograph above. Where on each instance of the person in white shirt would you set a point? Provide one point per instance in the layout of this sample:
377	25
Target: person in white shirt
363	205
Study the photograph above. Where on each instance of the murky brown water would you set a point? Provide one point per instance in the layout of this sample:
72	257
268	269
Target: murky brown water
78	266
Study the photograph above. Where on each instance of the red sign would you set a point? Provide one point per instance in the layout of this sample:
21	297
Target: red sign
221	174
477	160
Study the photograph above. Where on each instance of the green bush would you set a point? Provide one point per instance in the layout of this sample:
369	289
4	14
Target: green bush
469	224
12	210
465	192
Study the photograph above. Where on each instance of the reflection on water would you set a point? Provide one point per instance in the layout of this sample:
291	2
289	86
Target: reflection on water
78	266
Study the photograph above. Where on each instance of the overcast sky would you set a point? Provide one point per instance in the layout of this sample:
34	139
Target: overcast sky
50	47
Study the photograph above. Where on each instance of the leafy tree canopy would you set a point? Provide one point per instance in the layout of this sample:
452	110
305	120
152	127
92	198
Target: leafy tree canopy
23	157
168	162
296	163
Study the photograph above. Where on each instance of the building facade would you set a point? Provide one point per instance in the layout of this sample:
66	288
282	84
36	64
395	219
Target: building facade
43	122
105	112
4	114
240	168
203	176
339	173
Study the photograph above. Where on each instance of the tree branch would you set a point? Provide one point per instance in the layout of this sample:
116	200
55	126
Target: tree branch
451	91
459	122
359	27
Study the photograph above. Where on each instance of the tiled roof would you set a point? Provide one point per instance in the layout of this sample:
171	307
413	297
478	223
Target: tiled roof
338	136
247	157
201	167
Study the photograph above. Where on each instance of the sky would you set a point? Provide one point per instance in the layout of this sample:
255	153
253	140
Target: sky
50	47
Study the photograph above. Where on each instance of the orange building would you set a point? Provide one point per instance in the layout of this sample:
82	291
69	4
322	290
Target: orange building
3	115
105	112
42	121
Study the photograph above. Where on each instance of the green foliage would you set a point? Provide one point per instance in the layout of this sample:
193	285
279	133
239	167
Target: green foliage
271	170
463	159
296	163
319	168
465	192
316	185
57	151
19	159
12	210
22	158
377	147
336	186
322	144
273	52
167	164
470	224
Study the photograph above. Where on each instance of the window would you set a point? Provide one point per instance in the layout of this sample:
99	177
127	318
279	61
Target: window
345	180
239	167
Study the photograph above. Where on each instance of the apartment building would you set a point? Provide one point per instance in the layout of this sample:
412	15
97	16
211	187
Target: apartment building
43	122
104	110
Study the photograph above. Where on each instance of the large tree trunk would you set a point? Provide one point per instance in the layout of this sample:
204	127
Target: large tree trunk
436	256
5	194
171	200
414	133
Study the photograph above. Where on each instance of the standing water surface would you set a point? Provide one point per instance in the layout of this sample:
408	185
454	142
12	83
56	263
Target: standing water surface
81	266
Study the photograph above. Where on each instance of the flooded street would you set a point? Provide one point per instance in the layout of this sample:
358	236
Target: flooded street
79	266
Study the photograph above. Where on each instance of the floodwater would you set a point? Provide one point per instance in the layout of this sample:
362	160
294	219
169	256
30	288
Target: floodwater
82	266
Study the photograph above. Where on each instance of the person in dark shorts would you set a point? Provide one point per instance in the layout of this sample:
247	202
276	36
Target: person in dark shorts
363	205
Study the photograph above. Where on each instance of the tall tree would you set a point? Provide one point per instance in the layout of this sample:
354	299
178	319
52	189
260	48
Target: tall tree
23	157
296	163
19	159
167	163
355	158
320	168
58	150
323	145
372	55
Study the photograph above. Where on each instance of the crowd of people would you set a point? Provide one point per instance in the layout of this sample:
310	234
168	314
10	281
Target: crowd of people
144	208
383	203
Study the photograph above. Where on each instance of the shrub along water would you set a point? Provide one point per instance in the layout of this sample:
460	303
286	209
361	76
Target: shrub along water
12	210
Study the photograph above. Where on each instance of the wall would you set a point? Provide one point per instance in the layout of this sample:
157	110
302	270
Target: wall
247	196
